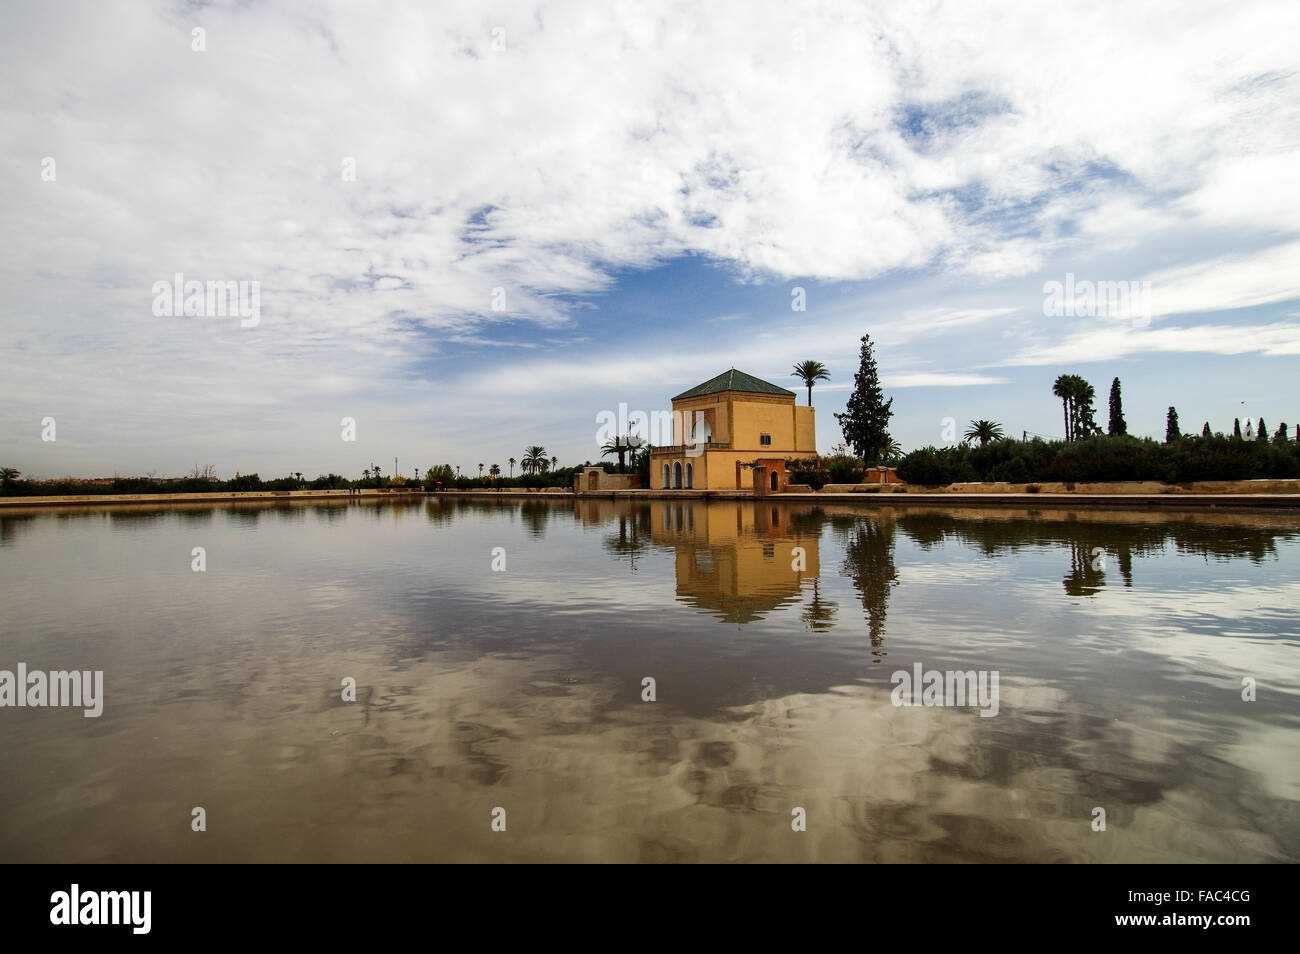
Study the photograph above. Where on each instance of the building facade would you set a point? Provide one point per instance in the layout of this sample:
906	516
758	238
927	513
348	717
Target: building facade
733	432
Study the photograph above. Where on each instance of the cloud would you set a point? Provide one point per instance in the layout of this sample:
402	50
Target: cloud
1234	281
496	190
1106	344
938	380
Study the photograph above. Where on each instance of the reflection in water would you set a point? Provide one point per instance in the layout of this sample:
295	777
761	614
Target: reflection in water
630	537
869	561
739	563
523	688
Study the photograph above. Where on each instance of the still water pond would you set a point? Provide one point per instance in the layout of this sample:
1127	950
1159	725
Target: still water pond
1120	642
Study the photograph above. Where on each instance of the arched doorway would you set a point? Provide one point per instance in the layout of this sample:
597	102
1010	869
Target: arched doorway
668	479
677	475
690	475
773	481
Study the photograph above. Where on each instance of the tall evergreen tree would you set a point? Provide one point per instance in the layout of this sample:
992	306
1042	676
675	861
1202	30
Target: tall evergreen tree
1262	434
1205	431
1117	425
1280	436
1236	428
1171	427
865	421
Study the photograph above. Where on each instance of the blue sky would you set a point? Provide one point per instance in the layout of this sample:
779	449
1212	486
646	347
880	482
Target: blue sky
554	209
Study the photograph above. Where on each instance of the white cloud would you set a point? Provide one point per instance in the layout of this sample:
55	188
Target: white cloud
938	380
599	139
1109	343
1235	281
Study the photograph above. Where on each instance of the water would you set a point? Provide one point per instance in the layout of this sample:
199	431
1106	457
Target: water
1121	641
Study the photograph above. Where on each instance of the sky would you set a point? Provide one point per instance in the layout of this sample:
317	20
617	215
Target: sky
476	226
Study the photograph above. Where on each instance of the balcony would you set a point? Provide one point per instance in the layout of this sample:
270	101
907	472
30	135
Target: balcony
679	450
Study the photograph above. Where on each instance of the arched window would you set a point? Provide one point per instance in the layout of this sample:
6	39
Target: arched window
690	475
668	480
677	475
703	433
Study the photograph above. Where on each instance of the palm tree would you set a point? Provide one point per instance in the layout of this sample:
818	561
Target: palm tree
366	474
534	459
495	470
811	372
1084	394
555	462
480	470
8	475
621	446
1064	389
512	463
983	431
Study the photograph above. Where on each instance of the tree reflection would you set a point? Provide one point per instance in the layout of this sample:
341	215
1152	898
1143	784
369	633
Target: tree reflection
1094	538
630	537
818	615
869	562
535	516
1086	576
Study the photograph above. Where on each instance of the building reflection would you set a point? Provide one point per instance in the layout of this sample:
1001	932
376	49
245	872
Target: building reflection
738	561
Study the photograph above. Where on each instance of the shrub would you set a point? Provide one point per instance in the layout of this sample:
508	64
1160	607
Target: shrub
1105	458
931	466
807	470
1014	471
843	469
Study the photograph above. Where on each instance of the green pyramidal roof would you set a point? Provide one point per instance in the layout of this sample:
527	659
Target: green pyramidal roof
733	380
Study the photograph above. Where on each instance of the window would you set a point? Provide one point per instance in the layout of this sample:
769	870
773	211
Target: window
765	439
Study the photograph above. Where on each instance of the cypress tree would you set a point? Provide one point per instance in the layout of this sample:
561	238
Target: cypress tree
1205	431
1280	436
865	421
1117	425
1236	428
1262	434
1171	426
